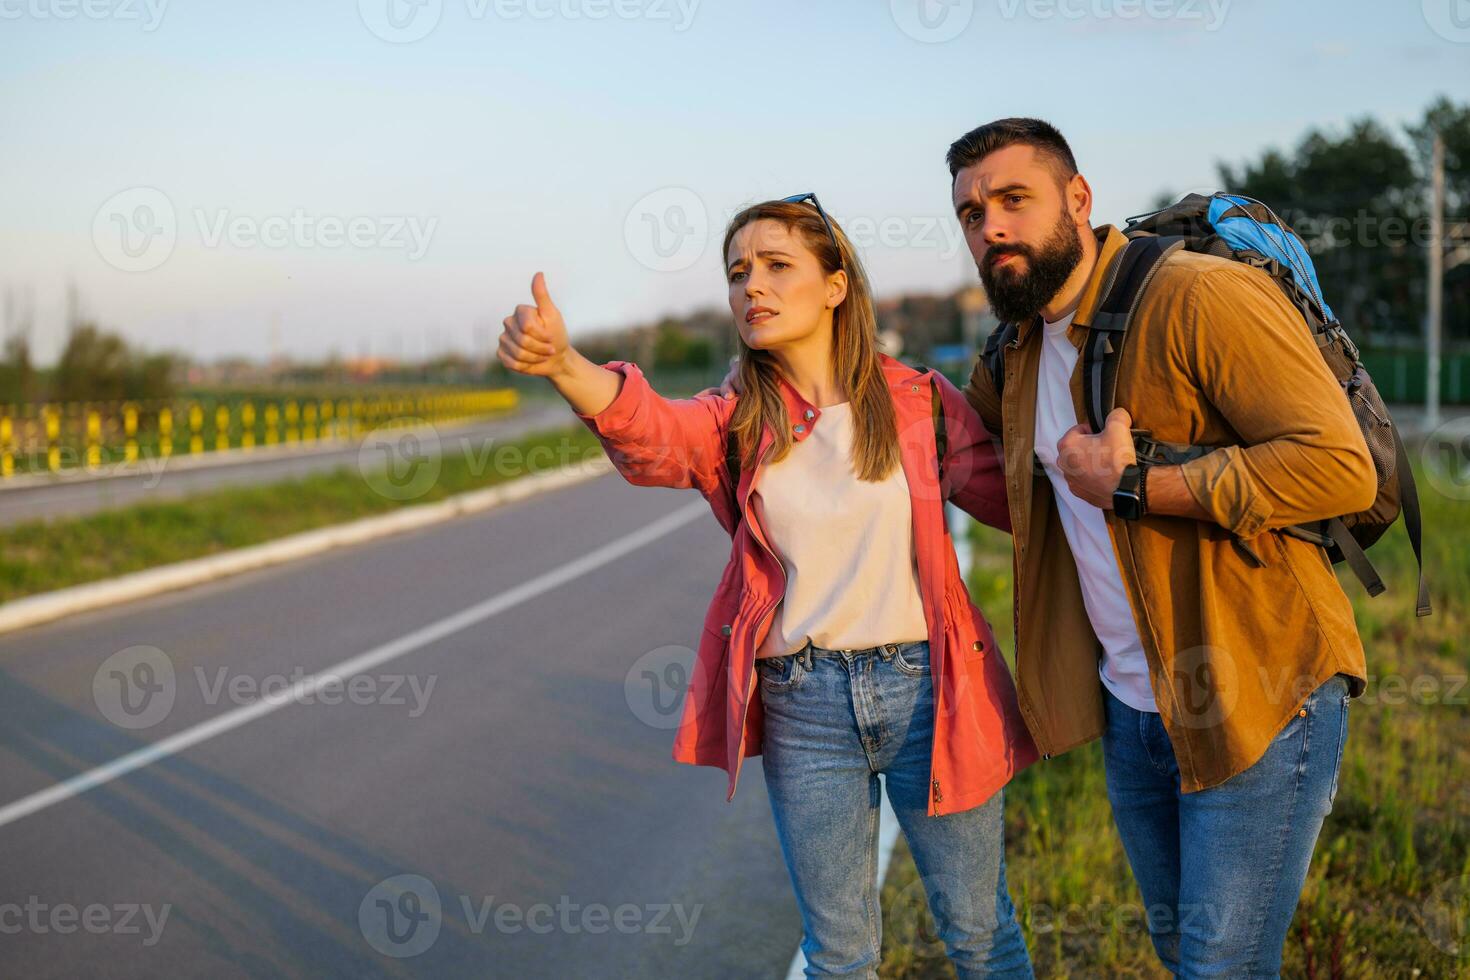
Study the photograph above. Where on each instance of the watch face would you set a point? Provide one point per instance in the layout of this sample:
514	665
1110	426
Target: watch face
1125	505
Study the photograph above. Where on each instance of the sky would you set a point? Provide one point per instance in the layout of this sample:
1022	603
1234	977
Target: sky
384	176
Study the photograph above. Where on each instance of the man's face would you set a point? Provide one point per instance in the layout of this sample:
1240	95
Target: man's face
1021	228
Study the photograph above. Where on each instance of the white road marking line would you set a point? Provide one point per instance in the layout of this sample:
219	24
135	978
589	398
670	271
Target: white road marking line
234	718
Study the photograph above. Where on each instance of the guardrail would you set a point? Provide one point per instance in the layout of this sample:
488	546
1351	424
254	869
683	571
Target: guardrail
50	437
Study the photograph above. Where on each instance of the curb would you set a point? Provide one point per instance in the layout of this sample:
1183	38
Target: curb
47	606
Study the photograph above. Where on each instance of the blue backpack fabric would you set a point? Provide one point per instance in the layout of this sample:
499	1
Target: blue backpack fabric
1241	228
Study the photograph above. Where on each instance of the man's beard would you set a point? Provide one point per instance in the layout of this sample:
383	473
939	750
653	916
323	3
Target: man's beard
1019	296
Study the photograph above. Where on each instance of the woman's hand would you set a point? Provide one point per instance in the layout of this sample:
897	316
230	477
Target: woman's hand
535	342
535	337
730	386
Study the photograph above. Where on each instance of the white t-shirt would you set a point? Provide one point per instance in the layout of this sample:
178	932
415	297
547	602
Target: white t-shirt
1124	669
847	546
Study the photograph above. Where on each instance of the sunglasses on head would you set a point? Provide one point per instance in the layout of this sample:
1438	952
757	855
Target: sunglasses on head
809	196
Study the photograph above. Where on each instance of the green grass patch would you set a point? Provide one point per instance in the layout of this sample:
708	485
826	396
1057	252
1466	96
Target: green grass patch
40	556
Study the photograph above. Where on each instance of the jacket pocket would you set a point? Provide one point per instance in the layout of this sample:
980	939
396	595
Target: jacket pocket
967	625
780	674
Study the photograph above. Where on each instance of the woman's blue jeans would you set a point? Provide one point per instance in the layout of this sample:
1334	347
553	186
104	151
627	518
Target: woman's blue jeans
834	720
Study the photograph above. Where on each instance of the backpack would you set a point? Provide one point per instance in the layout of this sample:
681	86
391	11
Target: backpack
941	439
1243	229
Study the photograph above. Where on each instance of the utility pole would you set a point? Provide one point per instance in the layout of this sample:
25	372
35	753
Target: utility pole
1436	283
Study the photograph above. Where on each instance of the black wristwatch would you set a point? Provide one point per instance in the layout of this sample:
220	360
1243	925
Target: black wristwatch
1130	501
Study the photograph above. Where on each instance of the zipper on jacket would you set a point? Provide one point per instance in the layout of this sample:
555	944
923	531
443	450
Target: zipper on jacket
745	516
938	797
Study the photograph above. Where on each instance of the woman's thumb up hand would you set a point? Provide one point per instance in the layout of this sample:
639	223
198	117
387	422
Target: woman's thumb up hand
535	338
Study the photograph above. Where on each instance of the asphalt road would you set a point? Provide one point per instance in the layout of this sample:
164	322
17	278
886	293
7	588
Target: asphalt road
158	480
505	749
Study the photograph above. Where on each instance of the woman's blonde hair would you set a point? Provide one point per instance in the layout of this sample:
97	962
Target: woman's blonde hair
855	358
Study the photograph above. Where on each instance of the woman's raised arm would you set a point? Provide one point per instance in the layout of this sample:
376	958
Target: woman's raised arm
652	440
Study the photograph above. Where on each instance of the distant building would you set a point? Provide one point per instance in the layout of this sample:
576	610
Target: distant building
367	368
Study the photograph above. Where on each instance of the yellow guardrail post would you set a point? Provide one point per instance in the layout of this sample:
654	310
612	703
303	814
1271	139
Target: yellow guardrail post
196	426
130	432
221	428
53	433
94	439
7	443
247	425
293	414
166	432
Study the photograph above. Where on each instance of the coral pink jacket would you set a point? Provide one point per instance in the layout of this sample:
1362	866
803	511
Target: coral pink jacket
980	740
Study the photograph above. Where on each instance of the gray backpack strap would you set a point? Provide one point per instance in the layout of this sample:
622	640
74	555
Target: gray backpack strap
993	355
1413	522
732	464
1353	554
1131	270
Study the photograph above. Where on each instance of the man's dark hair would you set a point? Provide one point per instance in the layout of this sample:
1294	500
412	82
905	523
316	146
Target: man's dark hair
984	140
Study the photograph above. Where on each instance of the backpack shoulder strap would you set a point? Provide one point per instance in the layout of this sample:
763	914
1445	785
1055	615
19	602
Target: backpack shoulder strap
993	354
1131	270
1413	523
732	465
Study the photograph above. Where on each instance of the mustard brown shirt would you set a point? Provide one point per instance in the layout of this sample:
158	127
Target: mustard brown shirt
1215	356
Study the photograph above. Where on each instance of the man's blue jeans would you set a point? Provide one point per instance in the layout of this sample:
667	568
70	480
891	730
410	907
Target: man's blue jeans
1221	869
834	720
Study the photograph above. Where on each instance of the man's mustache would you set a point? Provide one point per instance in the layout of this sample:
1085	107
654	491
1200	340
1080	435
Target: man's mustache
998	252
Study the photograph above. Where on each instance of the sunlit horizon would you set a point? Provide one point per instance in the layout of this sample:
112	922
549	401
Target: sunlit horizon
272	179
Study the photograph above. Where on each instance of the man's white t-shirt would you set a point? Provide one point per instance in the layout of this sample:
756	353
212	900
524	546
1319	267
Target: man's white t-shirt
1124	669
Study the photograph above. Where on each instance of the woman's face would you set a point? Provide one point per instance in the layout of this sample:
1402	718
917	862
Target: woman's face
779	293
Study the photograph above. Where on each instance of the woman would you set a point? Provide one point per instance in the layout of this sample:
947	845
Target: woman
842	591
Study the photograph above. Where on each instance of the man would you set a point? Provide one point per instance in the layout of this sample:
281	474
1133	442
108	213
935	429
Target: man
1213	656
